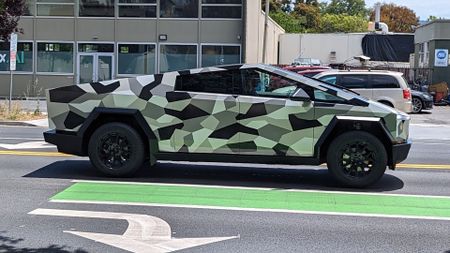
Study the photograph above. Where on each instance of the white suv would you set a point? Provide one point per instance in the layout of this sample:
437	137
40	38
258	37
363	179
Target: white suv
387	87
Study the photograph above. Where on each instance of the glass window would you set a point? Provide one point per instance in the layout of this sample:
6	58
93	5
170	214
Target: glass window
137	8
225	82
24	61
179	9
322	96
55	57
63	8
96	48
136	59
222	9
97	8
29	8
329	79
354	81
219	55
383	82
177	57
258	83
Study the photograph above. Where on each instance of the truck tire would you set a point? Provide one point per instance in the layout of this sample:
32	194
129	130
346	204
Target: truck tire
116	149
356	159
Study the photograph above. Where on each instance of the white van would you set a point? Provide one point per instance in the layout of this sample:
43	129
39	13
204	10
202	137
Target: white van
387	87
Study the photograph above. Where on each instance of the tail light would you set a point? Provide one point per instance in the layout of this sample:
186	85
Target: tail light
407	94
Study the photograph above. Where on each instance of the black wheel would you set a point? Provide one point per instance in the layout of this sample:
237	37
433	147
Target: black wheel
356	159
417	105
116	149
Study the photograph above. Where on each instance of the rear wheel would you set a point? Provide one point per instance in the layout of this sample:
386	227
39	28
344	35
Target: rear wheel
417	105
356	159
116	149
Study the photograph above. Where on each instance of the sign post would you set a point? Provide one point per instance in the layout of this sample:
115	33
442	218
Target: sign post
12	64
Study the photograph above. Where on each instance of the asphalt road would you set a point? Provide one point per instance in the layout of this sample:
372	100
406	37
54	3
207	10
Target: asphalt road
29	182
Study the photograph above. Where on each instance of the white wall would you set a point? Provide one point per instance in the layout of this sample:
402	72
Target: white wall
320	46
254	35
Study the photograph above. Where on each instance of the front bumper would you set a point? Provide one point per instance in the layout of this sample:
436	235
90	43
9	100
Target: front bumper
400	153
66	142
427	105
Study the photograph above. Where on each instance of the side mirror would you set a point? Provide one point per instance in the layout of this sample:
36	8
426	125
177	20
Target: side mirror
300	95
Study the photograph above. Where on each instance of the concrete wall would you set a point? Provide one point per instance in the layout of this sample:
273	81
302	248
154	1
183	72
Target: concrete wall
254	35
320	46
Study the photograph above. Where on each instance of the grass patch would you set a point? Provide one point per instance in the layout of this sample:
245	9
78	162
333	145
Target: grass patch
17	113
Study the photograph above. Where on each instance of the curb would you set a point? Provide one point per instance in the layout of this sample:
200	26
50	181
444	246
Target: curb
16	123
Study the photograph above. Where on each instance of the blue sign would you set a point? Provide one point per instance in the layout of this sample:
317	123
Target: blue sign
441	54
441	58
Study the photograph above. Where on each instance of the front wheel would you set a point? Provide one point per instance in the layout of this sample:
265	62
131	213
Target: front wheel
116	149
356	159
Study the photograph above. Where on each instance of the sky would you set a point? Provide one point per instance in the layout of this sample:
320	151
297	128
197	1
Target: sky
422	8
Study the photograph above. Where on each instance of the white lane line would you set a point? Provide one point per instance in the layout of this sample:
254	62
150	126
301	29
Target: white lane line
367	215
263	189
27	145
145	233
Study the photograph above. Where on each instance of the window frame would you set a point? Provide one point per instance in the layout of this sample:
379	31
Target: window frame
118	4
56	73
135	43
174	44
36	4
220	5
115	16
34	49
218	44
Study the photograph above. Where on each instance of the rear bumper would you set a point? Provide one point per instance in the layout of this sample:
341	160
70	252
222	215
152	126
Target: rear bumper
400	152
66	142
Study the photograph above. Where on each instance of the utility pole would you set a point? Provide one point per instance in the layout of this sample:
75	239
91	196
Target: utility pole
266	31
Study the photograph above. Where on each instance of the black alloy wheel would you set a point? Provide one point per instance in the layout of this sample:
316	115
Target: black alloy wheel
357	159
116	149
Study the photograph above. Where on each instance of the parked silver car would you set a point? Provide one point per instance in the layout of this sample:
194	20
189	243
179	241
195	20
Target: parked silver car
387	87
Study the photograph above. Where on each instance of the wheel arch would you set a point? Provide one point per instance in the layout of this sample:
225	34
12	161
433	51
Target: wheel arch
131	117
340	125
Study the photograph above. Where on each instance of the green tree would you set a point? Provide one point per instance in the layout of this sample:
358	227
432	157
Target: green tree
331	23
399	18
10	12
348	7
308	12
289	22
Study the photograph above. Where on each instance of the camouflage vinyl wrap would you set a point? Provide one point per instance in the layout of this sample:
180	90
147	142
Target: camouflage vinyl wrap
219	123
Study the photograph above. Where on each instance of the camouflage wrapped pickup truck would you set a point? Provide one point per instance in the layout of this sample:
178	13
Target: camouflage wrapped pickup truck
238	113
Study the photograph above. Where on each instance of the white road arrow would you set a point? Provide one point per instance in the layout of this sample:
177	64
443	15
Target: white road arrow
145	233
27	145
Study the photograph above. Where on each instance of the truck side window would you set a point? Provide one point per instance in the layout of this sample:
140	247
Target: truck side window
260	83
225	82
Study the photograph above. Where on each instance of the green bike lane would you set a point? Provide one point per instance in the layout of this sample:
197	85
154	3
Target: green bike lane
258	199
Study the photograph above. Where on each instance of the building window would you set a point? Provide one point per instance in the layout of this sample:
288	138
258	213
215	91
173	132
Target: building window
24	61
62	8
55	57
177	57
219	55
222	9
29	8
136	59
179	9
95	48
96	8
137	8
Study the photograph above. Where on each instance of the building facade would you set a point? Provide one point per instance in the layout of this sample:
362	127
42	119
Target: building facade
432	44
66	42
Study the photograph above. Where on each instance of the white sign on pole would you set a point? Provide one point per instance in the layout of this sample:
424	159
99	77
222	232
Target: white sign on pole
441	58
13	52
